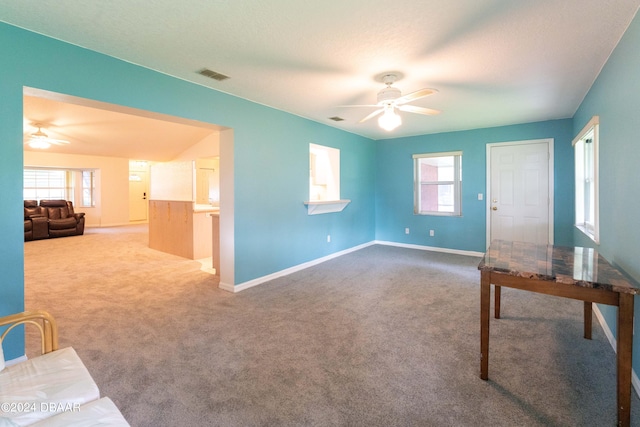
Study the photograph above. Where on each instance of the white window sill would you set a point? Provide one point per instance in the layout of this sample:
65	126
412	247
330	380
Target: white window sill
587	232
326	206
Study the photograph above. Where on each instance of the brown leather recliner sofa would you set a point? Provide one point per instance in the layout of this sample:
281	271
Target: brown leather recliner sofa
51	218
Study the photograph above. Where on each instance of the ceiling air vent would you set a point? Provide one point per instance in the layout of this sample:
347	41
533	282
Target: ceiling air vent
336	119
213	75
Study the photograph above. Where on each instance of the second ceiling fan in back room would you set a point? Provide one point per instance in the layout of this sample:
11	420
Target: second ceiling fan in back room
41	140
390	99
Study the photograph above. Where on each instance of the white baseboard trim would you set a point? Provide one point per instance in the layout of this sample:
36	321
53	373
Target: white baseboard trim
635	381
115	224
430	248
227	287
287	271
255	282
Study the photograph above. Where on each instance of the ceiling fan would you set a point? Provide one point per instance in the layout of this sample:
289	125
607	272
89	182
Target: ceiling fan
41	140
390	99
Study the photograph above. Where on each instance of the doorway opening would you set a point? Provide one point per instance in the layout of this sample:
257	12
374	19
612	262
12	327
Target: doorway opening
109	138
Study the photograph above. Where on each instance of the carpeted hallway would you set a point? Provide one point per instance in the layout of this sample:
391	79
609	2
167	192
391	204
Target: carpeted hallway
384	336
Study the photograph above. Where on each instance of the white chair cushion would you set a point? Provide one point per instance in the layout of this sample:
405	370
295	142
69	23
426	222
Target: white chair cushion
45	385
102	412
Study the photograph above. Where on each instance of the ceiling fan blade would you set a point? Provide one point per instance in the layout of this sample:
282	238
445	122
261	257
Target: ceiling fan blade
372	115
419	110
58	141
29	137
415	95
361	105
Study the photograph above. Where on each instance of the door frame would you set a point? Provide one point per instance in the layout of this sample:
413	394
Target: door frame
134	171
489	146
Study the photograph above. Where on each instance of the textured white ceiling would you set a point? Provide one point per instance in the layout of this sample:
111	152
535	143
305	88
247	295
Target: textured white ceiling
494	62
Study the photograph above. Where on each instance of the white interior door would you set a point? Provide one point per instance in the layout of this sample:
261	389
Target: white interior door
138	191
520	191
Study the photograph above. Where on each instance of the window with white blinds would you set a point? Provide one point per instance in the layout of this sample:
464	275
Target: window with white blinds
78	186
47	184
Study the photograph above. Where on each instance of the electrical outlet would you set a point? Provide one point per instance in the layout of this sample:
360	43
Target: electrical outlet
432	233
406	230
328	238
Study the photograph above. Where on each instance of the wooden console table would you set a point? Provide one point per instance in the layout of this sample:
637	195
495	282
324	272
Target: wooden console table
571	272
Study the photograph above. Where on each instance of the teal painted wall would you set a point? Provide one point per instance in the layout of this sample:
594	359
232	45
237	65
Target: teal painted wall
278	233
615	97
11	214
394	185
271	159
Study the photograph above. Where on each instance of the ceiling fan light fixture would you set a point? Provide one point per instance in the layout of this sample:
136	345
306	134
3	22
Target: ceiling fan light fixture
389	120
39	143
39	134
390	98
40	140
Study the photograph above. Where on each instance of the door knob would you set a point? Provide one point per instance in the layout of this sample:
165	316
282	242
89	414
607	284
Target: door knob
495	208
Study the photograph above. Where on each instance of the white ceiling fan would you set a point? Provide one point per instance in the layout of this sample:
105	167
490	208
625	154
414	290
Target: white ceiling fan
390	99
41	140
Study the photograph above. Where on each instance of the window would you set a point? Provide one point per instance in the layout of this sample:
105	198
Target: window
47	184
88	188
324	173
437	183
585	147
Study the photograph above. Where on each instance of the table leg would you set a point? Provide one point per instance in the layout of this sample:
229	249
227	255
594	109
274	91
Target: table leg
588	316
485	308
625	339
496	306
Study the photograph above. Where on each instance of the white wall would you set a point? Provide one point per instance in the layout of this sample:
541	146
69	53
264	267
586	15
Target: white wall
172	181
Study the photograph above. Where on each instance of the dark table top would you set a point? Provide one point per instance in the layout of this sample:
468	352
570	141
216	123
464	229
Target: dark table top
568	265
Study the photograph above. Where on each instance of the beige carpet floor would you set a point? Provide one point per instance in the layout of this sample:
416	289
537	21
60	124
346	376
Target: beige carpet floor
383	336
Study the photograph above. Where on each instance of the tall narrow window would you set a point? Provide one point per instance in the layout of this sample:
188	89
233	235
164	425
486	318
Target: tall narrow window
437	183
88	188
585	147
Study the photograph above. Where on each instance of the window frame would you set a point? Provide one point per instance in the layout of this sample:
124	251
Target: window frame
73	188
324	173
87	189
456	182
62	187
586	175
